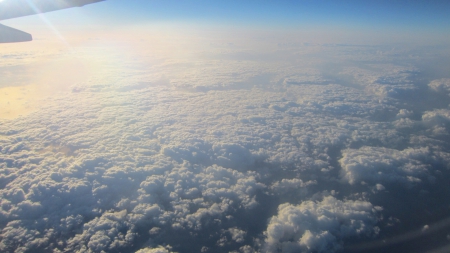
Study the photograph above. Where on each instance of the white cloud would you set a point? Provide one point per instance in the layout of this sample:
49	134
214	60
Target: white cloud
319	226
153	250
198	153
380	187
438	120
385	79
440	85
380	165
237	234
285	185
403	113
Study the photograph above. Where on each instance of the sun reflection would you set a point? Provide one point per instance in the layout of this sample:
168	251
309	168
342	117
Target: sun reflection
48	23
58	72
38	81
15	101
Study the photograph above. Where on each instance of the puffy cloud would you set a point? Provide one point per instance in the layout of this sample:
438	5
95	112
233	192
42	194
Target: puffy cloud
440	116
199	153
438	121
153	250
403	113
380	187
440	85
385	79
319	226
237	234
285	185
379	165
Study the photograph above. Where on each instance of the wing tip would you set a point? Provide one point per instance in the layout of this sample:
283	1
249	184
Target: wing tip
11	35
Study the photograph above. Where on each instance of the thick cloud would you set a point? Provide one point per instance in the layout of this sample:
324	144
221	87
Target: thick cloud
189	154
440	85
154	250
438	121
385	79
319	226
380	165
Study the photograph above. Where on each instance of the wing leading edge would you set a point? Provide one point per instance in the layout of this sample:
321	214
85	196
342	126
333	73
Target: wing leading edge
18	8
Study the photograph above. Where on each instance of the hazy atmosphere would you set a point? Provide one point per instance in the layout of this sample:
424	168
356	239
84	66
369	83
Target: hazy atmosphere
227	126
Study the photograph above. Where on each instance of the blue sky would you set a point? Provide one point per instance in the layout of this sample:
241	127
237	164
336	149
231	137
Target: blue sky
380	16
401	14
416	13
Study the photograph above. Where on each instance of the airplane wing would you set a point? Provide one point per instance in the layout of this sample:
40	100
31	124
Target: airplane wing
10	35
18	8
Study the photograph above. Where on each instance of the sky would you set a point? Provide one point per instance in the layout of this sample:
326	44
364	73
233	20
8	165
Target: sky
227	126
293	13
379	19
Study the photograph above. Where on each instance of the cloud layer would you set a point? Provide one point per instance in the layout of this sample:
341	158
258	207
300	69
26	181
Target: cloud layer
224	149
